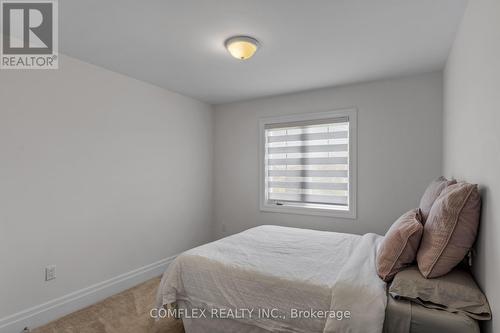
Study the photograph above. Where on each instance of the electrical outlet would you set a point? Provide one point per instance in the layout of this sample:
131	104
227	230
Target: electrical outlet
50	272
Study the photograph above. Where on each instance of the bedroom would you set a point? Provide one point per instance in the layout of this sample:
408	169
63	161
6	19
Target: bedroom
135	143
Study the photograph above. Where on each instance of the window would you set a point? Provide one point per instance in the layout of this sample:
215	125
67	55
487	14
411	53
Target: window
308	164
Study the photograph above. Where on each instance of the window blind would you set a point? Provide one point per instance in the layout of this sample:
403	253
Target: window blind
308	163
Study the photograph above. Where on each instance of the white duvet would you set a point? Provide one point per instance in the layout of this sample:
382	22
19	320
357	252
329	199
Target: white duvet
283	271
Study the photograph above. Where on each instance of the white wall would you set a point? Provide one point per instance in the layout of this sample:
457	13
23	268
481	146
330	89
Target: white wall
399	152
472	131
99	174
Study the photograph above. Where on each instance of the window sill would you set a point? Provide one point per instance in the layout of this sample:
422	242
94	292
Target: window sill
345	214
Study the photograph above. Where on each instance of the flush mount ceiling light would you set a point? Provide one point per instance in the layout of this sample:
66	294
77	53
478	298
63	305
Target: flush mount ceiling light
242	47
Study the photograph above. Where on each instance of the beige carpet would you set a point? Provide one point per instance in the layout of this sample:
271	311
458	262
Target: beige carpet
127	312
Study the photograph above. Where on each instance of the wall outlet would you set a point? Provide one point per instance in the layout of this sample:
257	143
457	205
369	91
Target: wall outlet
50	272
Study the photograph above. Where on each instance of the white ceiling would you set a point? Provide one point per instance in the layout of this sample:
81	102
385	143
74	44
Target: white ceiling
178	44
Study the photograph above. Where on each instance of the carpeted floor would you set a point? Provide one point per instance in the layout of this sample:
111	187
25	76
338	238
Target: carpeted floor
127	312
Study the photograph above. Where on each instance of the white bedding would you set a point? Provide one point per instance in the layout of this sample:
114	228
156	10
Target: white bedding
281	269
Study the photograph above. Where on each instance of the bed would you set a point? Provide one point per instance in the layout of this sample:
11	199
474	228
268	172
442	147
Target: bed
277	279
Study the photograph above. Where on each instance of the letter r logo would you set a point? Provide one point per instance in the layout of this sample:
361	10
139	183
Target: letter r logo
27	27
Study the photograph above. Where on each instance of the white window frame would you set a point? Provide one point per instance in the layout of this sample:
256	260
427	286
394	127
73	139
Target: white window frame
351	113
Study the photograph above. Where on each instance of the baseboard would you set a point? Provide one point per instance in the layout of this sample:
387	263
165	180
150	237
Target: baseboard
56	308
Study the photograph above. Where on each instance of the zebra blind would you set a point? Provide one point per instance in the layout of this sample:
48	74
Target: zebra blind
307	163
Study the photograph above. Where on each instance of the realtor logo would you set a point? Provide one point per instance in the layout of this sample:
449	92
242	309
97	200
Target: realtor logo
29	32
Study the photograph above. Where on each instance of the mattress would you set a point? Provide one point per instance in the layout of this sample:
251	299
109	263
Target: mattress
283	270
405	316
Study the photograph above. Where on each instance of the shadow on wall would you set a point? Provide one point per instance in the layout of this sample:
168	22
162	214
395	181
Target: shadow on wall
481	248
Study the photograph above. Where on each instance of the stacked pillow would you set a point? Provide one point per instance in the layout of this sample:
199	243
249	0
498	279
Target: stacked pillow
438	235
450	229
455	292
400	245
432	193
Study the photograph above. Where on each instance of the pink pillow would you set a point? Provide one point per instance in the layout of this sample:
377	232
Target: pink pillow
431	194
450	230
400	245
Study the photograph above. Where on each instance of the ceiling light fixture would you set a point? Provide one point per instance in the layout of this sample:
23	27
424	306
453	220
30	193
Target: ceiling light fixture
242	47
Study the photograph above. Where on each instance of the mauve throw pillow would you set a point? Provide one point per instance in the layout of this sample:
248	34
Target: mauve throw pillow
431	194
450	230
400	245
